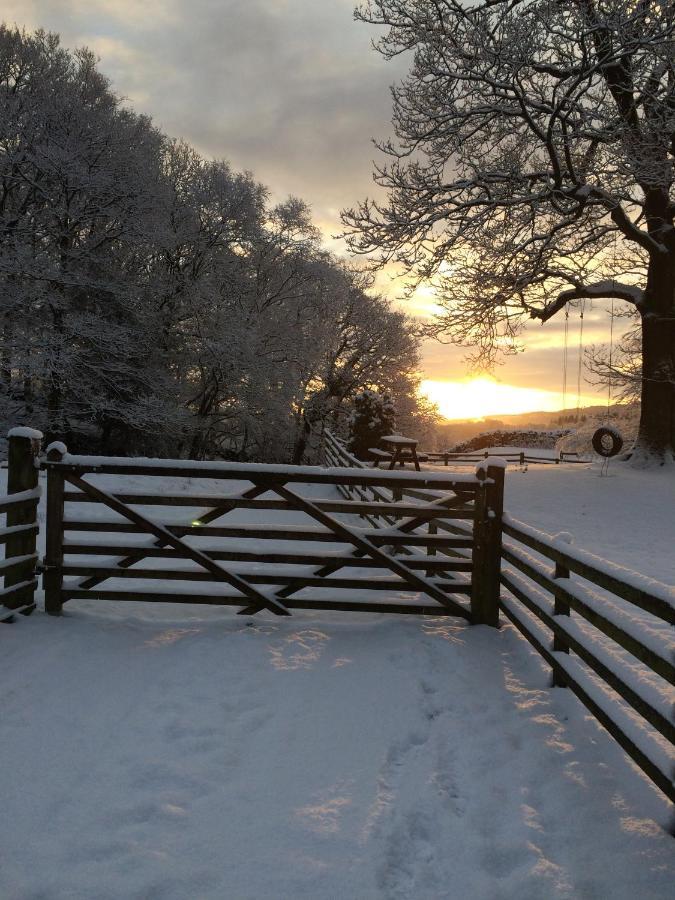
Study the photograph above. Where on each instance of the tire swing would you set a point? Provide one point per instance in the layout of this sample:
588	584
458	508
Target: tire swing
607	442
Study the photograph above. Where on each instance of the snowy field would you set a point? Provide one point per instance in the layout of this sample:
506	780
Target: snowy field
156	751
627	516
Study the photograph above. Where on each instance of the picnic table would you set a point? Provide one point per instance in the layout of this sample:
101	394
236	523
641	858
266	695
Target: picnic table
402	450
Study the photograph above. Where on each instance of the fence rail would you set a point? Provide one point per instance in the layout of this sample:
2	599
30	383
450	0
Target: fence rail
582	653
520	458
595	656
19	506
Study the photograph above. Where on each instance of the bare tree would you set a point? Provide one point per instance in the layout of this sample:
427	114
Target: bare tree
618	366
533	168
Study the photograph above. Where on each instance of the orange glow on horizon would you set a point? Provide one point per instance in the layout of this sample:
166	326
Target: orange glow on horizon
476	398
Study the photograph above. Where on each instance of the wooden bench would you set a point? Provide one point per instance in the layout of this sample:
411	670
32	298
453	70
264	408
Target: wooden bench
380	456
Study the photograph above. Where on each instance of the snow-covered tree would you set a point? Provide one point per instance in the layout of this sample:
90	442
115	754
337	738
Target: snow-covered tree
76	171
152	300
532	167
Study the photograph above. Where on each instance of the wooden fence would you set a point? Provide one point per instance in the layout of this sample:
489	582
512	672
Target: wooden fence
619	688
397	559
422	543
621	669
19	506
520	457
477	538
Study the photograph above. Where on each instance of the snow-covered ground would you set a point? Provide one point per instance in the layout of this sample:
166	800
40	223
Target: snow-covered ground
627	516
185	752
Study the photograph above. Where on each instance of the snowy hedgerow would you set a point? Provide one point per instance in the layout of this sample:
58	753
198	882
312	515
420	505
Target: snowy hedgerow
153	301
541	440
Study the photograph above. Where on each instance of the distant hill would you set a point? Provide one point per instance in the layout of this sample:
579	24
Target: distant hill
453	431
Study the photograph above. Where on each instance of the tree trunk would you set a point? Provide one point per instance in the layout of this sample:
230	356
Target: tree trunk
54	395
656	436
655	442
300	445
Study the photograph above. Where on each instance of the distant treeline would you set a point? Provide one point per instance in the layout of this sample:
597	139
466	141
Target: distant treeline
152	301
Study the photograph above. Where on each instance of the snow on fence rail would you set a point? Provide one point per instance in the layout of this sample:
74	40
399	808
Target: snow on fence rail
539	603
520	458
19	506
69	572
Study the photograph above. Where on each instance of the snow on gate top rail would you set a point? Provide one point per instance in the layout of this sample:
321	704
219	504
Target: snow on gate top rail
111	465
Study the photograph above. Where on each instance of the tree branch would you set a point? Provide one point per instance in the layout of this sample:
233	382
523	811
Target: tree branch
600	290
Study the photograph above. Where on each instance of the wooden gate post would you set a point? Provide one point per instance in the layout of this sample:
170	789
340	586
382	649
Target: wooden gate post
487	547
53	563
22	475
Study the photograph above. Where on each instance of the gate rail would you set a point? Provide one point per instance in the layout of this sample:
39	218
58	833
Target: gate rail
396	559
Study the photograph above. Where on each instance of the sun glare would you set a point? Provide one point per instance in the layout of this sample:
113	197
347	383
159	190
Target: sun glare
479	397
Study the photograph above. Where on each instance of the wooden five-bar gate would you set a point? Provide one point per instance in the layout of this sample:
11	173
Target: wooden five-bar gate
225	547
276	538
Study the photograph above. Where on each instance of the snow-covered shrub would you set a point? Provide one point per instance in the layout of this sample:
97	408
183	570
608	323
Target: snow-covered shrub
372	418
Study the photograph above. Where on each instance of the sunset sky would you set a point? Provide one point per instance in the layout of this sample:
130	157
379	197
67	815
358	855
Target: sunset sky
291	90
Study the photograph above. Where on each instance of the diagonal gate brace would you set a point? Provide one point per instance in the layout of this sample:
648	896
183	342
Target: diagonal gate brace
204	519
163	534
405	527
362	544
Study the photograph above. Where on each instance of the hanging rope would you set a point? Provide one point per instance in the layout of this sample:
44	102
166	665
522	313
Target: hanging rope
604	468
611	351
567	327
581	359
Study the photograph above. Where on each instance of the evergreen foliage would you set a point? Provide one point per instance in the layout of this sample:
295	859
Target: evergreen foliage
373	416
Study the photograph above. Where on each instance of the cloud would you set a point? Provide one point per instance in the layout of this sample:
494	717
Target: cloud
287	88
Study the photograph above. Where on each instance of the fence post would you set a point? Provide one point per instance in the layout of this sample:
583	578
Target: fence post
487	547
560	608
22	475
53	563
